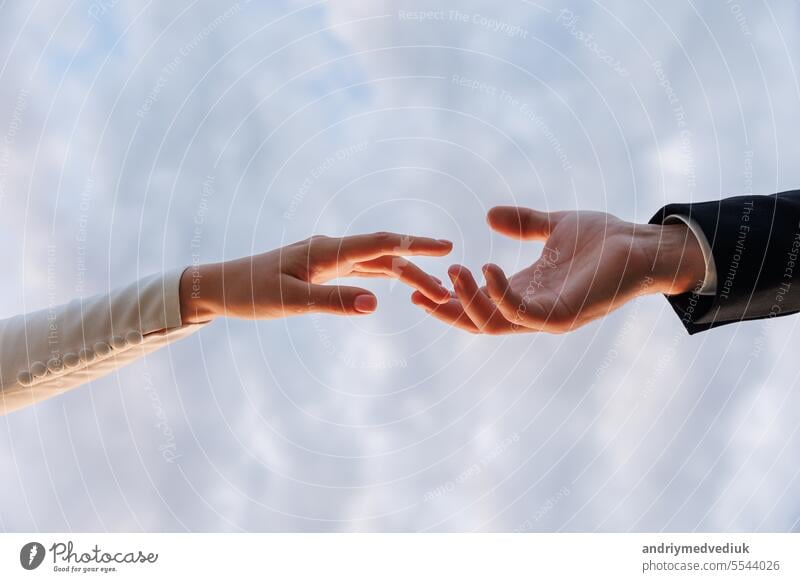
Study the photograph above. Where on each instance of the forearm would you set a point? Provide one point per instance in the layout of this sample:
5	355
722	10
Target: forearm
201	294
674	258
240	288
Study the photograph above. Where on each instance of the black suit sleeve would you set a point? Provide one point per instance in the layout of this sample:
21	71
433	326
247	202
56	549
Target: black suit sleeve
755	241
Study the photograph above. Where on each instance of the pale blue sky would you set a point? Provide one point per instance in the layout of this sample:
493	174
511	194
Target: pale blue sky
225	115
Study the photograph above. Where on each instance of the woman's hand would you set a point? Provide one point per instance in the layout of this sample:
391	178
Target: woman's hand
592	263
289	280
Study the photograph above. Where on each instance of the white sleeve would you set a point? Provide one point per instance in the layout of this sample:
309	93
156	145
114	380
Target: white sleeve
710	281
45	353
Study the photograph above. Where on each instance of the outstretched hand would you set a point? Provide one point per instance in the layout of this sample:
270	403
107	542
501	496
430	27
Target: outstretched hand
290	280
591	264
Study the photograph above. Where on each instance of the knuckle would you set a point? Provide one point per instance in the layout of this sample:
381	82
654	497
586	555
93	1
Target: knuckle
384	236
397	264
510	314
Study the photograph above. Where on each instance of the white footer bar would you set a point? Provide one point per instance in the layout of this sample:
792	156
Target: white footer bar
400	557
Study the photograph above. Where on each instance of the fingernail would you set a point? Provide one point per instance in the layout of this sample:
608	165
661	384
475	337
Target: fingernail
365	303
444	241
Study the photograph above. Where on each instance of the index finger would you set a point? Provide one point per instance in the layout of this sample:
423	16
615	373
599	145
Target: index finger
518	310
452	313
364	247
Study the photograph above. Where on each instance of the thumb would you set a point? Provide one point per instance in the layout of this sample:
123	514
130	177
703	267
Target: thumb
521	223
341	300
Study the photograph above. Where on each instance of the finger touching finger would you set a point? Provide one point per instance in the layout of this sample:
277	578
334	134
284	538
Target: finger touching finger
451	313
407	272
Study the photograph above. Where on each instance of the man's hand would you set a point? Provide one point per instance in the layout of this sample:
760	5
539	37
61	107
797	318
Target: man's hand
289	280
592	263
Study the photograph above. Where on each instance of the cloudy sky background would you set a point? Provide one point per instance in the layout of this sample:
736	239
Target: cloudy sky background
124	124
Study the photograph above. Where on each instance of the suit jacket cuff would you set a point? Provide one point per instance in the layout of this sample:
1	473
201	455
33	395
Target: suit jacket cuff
710	280
755	243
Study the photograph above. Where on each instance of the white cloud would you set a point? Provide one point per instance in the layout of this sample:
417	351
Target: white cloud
276	431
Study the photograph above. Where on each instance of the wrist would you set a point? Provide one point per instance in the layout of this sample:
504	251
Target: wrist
200	294
674	256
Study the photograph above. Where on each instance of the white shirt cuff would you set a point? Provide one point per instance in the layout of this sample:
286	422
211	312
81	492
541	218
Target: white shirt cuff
710	281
